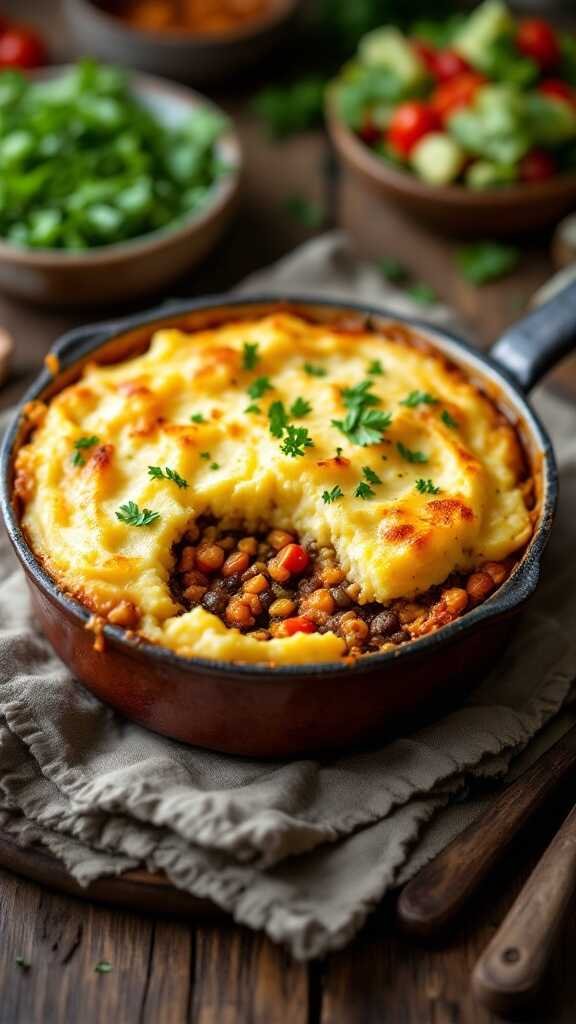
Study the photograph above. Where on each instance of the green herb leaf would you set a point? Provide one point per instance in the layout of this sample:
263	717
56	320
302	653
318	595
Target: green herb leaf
416	398
314	371
25	965
259	387
364	426
286	109
133	516
300	408
252	408
375	368
359	395
426	487
157	473
205	455
370	475
197	418
80	445
103	967
422	293
296	441
487	261
448	420
410	455
307	213
364	491
250	355
329	497
215	465
393	271
277	418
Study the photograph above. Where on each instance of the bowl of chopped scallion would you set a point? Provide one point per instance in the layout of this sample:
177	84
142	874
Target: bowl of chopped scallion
111	184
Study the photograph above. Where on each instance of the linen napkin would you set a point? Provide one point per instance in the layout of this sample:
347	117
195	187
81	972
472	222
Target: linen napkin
303	850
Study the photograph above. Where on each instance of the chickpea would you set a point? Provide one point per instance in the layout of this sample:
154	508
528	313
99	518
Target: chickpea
479	585
355	631
353	589
195	593
279	539
331	576
319	601
249	545
238	613
194	578
497	571
253	602
277	572
187	559
282	608
257	584
455	600
124	614
227	543
238	561
409	612
210	558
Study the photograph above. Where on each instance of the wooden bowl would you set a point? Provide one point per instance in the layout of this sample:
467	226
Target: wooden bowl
142	266
202	59
454	209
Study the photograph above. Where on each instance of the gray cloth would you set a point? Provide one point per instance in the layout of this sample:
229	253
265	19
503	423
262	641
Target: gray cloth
303	850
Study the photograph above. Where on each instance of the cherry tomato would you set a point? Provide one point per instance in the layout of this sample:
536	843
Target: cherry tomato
427	55
558	90
448	64
537	165
294	558
21	47
456	93
536	39
298	624
410	122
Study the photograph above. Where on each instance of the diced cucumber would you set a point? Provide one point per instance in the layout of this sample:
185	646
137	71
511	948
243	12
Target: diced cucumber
389	48
488	23
549	122
437	159
485	174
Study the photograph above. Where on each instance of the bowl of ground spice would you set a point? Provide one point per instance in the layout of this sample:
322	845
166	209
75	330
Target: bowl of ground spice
197	41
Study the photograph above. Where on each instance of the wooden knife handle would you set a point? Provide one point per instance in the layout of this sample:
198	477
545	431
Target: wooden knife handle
439	891
510	972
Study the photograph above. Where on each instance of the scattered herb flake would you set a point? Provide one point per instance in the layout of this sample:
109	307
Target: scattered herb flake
448	419
250	355
364	426
329	497
306	212
277	419
314	371
157	473
197	418
422	293
393	271
103	967
300	408
370	475
339	452
215	465
290	108
296	441
482	262
410	455
375	368
81	444
252	408
426	487
205	455
419	398
364	491
133	516
25	965
259	387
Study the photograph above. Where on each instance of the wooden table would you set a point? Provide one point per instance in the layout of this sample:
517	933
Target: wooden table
168	970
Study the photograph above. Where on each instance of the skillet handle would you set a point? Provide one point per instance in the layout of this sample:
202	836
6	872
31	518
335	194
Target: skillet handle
534	345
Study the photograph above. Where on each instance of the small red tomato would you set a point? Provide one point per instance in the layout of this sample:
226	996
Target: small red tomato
411	121
21	47
427	55
458	92
558	90
448	64
369	133
298	624
294	558
536	39
537	165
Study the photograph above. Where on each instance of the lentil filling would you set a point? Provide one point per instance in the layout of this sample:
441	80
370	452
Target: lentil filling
267	584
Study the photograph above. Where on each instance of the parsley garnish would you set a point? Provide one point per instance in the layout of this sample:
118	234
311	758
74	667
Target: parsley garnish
300	408
252	408
259	387
359	395
277	418
215	465
419	398
296	440
82	443
375	368
364	491
24	964
249	355
157	473
362	425
314	371
393	271
133	516
205	455
426	487
486	261
103	967
410	455
328	497
448	419
197	418
303	210
422	293
370	475
339	452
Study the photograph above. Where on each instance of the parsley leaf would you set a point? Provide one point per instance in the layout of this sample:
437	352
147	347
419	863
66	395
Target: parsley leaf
249	355
197	418
215	465
364	491
300	408
157	473
422	293
328	497
375	368
426	487
359	394
259	387
370	475
252	408
295	441
419	398
393	271
291	108
364	426
81	444
205	455
410	455
448	419
103	967
486	261
307	213
277	418
133	516
314	371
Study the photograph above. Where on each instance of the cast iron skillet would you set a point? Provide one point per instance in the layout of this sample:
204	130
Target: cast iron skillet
274	712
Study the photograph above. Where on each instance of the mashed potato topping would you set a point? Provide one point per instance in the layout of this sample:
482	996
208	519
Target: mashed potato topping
363	441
